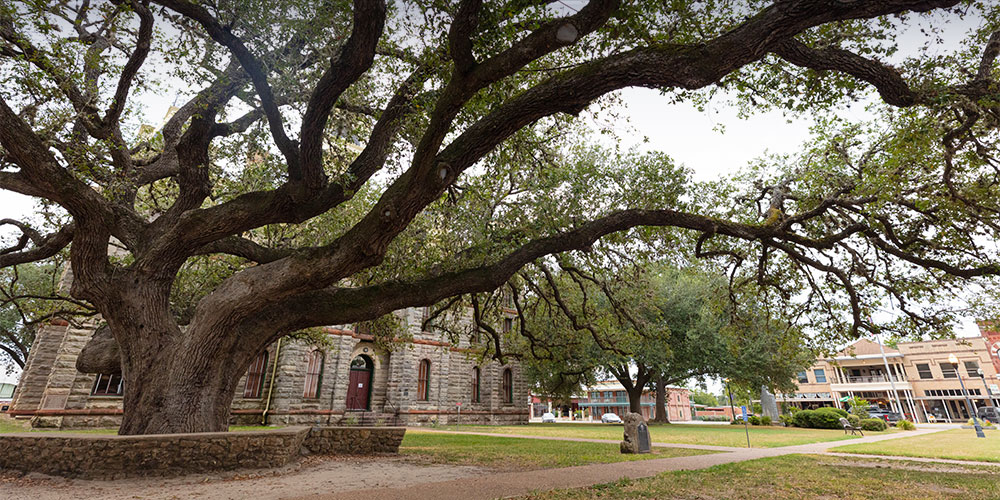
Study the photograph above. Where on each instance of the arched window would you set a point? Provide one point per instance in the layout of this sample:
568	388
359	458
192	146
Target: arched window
255	377
314	374
424	381
508	386
475	384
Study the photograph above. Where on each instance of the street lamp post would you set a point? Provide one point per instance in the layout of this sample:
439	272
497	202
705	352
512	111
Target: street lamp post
732	408
989	393
968	403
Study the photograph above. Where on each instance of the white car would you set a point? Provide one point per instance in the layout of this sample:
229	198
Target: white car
611	418
548	417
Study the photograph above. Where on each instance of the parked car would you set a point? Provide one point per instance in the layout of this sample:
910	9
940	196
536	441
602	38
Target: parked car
989	413
548	417
890	417
611	418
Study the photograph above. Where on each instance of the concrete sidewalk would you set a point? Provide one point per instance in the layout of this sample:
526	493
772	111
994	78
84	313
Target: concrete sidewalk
510	484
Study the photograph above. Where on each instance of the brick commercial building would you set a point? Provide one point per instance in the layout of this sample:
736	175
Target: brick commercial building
610	397
349	381
919	373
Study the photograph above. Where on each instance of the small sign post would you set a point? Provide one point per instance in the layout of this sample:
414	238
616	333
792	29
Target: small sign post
746	419
459	418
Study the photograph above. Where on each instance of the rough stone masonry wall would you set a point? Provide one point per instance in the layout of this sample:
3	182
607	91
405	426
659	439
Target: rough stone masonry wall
114	457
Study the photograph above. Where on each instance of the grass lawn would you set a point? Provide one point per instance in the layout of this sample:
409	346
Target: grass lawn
958	444
802	477
718	435
9	425
517	453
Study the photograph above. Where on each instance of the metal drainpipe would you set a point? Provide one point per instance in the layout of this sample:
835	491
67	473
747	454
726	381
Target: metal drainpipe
270	387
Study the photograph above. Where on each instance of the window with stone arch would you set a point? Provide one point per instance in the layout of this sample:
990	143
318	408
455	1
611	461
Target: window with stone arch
255	377
424	380
476	379
314	375
507	386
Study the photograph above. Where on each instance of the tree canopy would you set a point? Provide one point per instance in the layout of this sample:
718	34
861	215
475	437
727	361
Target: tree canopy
656	326
346	159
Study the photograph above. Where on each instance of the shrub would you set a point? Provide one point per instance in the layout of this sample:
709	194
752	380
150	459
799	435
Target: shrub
765	420
754	420
874	424
786	420
854	420
982	423
838	411
905	425
802	418
827	418
822	418
737	421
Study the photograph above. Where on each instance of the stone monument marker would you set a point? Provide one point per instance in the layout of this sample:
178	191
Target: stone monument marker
636	436
768	404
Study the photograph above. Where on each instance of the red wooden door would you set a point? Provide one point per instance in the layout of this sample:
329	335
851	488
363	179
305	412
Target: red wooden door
358	389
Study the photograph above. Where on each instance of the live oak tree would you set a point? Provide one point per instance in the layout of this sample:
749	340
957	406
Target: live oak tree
342	161
651	327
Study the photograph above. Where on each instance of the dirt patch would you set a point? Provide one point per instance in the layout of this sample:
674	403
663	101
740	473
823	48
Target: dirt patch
313	475
900	465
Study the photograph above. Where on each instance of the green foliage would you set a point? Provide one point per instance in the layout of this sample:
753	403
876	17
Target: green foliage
822	418
786	420
765	420
873	424
754	420
906	425
858	407
854	420
701	397
985	424
30	295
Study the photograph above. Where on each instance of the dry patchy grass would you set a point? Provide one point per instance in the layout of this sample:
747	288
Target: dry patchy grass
801	477
517	453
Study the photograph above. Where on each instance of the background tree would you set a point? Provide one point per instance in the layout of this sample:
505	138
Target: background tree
363	132
702	397
29	296
654	326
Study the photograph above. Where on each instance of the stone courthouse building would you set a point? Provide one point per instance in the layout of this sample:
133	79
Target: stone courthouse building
348	381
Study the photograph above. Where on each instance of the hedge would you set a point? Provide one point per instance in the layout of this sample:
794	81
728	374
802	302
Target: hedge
822	418
874	424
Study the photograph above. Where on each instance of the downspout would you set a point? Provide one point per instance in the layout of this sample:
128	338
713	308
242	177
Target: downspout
270	387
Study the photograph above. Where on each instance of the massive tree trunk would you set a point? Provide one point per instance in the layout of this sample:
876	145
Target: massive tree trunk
661	401
175	380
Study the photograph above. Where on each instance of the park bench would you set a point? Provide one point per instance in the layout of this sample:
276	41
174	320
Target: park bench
848	427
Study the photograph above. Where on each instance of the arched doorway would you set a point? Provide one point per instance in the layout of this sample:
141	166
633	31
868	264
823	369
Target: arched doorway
359	387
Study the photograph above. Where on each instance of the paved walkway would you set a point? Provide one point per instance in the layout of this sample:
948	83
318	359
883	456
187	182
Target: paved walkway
522	483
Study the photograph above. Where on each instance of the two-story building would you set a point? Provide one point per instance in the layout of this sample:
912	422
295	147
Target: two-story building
610	397
914	378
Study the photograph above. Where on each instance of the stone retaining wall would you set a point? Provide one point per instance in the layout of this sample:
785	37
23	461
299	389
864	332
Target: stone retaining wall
353	440
113	457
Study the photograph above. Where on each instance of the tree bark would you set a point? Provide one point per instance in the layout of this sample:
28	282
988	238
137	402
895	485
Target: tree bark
661	401
176	381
